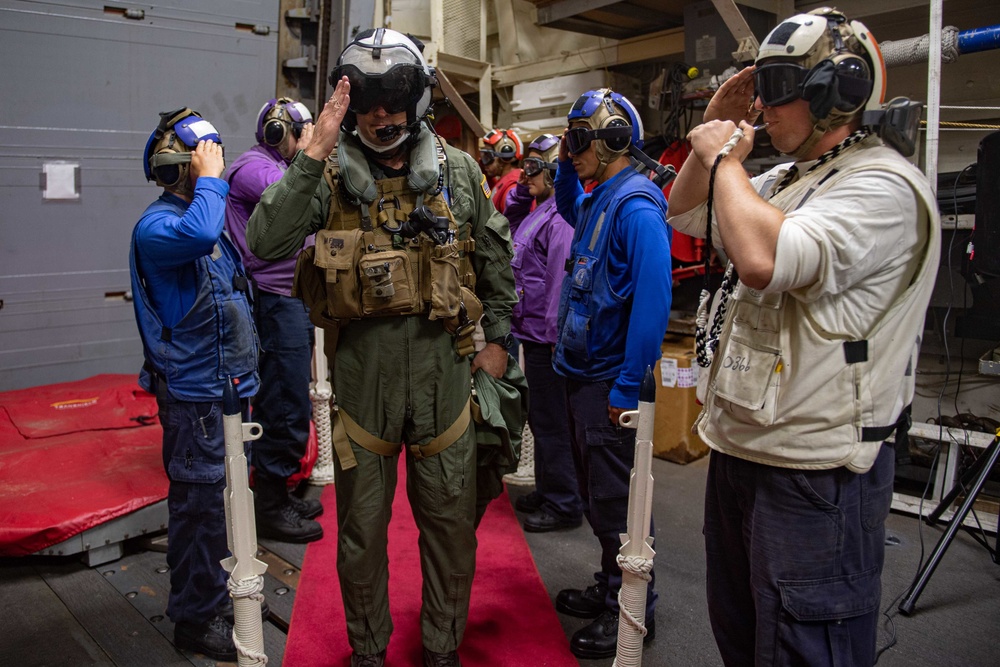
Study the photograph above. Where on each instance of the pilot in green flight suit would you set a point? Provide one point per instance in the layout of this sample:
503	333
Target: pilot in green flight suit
409	251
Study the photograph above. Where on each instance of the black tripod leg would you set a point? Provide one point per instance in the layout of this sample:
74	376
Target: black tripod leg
989	458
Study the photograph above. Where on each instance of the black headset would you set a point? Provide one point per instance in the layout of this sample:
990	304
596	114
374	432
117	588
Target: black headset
276	128
842	82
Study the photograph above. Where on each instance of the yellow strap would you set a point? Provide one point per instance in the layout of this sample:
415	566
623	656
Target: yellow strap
477	412
446	439
341	443
366	439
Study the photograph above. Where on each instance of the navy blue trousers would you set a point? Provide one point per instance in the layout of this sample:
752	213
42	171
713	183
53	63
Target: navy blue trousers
555	474
282	406
604	454
194	458
795	560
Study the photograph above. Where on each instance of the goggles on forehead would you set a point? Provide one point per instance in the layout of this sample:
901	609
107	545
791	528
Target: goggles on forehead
395	91
533	166
779	83
578	138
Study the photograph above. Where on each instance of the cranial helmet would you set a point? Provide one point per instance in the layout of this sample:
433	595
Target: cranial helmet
833	63
168	149
504	145
614	126
386	68
542	156
277	117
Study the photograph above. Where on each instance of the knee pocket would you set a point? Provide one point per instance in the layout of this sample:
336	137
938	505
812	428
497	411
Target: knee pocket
832	598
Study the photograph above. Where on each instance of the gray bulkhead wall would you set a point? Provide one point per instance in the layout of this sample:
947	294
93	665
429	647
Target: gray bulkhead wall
83	84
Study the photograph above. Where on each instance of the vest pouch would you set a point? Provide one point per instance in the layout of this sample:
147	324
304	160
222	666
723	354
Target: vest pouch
337	253
747	375
309	285
388	286
446	286
576	328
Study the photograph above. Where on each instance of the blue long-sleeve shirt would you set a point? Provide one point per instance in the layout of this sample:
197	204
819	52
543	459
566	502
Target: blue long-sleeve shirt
638	272
168	245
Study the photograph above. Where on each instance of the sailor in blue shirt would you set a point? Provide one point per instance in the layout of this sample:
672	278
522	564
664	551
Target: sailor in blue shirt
613	312
192	306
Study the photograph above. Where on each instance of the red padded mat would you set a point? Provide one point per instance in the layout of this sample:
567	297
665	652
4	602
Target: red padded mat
75	455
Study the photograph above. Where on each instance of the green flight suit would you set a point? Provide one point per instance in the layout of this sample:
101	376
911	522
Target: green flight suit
400	379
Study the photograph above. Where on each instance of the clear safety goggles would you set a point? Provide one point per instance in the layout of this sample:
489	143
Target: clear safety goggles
779	83
533	166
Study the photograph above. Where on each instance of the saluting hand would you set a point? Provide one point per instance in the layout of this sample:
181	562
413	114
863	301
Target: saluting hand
207	160
734	99
563	150
326	132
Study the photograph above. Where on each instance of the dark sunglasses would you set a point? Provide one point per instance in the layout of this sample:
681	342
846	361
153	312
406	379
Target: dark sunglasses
578	139
779	83
533	166
395	91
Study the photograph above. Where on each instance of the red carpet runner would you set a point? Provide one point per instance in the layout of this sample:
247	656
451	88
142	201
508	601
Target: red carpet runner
511	622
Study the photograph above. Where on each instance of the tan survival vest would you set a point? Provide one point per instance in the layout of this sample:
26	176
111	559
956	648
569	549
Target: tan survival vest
362	267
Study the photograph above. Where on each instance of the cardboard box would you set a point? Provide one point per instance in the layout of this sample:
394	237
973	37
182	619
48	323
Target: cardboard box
676	405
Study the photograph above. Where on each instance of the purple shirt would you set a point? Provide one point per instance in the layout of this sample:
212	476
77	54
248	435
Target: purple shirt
248	177
541	248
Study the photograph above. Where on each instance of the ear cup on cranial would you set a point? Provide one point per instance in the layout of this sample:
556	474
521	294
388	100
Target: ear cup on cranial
617	144
841	82
274	132
169	175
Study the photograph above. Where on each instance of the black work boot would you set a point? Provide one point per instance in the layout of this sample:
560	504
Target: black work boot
435	659
588	603
213	638
277	518
600	639
368	659
309	508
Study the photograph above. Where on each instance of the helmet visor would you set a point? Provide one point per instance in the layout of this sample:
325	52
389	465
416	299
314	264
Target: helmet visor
395	91
533	166
779	83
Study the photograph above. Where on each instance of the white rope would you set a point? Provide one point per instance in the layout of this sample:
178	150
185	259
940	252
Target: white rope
632	599
525	473
323	471
916	49
248	627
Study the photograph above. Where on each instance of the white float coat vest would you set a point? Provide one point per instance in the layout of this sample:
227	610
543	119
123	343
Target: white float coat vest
784	391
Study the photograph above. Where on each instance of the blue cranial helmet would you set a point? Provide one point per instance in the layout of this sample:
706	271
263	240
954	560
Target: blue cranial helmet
614	125
168	150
